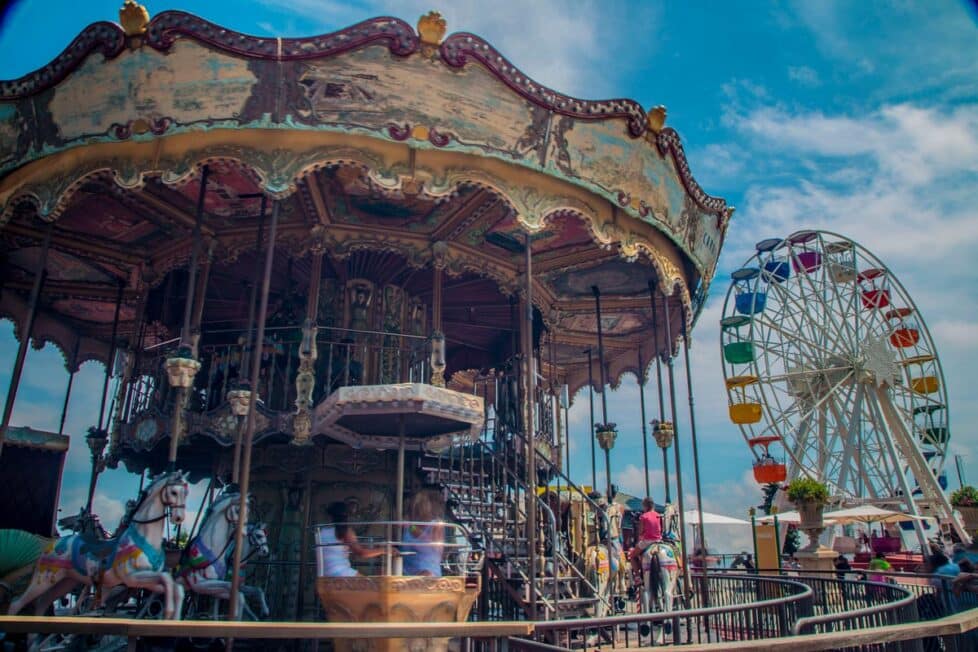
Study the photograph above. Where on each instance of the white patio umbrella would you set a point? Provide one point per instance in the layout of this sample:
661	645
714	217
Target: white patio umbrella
783	517
693	518
868	514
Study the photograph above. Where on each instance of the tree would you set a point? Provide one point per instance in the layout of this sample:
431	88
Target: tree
792	541
770	490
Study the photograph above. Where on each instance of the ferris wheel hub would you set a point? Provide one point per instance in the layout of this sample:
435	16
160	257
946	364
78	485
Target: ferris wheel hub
876	364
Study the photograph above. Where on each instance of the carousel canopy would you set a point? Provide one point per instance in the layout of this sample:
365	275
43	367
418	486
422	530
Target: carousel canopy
395	152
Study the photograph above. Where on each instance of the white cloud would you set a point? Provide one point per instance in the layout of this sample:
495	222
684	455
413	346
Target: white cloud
804	75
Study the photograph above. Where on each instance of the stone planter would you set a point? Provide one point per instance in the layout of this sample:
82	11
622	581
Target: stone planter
811	522
606	439
181	371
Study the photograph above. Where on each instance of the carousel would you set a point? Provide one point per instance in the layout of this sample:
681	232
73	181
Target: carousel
351	268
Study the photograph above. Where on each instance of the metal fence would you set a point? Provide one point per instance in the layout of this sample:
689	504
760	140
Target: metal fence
746	607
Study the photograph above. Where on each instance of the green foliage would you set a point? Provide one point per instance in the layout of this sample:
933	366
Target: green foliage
770	490
966	496
807	490
792	541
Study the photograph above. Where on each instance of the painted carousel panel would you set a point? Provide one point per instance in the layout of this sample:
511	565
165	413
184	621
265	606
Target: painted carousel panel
189	84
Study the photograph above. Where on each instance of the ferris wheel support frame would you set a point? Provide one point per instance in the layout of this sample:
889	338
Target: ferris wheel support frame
922	473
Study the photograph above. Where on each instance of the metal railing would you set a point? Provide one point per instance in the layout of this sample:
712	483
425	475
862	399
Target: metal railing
345	357
747	607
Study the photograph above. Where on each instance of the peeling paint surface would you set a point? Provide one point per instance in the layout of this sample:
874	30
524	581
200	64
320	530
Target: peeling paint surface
189	84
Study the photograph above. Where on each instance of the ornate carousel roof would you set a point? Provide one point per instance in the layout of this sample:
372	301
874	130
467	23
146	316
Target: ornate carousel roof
392	150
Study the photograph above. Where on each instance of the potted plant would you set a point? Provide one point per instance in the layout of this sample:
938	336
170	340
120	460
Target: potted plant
606	434
809	496
965	500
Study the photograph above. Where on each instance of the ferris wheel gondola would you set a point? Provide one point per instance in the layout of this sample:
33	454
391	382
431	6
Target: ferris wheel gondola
829	365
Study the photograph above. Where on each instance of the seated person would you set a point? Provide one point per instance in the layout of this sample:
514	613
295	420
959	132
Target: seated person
428	533
337	541
649	532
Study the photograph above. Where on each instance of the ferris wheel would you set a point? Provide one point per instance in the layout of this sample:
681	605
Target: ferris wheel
831	373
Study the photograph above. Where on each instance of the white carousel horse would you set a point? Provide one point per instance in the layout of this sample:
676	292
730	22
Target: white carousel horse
134	558
660	567
205	566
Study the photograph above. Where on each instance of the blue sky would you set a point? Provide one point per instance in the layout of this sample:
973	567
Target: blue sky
855	117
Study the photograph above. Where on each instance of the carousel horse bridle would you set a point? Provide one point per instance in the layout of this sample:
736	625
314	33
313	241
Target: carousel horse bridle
175	481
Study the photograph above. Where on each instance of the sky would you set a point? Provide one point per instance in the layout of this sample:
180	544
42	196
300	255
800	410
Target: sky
854	117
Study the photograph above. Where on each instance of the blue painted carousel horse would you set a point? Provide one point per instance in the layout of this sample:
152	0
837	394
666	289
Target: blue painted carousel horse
205	566
134	558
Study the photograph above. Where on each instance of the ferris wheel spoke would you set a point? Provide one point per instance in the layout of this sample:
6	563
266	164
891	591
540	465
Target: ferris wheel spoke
815	328
847	434
817	404
794	308
827	312
801	441
794	337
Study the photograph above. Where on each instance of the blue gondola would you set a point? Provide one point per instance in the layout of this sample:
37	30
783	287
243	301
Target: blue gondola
749	301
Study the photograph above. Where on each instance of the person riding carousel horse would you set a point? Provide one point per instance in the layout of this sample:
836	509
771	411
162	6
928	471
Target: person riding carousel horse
655	561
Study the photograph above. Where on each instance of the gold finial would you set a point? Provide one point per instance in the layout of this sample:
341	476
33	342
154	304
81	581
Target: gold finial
134	18
656	118
431	28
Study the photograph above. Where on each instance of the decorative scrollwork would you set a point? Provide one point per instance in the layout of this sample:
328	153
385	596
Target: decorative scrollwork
166	27
103	36
668	141
459	47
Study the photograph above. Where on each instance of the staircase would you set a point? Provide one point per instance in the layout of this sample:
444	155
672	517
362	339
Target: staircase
486	492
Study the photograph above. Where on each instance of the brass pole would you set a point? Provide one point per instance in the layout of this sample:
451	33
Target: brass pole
245	467
243	370
604	390
529	429
658	375
188	305
675	447
590	393
71	380
692	434
8	407
645	434
108	364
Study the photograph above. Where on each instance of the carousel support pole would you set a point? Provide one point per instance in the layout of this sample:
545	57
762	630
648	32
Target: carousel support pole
188	306
245	361
565	394
590	395
305	378
109	362
245	466
658	376
675	450
398	497
528	429
71	381
645	435
187	339
300	604
692	434
606	443
97	440
8	407
253	301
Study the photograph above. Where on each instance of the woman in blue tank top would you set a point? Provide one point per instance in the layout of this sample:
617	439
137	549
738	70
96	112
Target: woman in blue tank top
427	535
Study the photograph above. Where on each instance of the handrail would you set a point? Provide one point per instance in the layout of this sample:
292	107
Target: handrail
811	621
804	593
